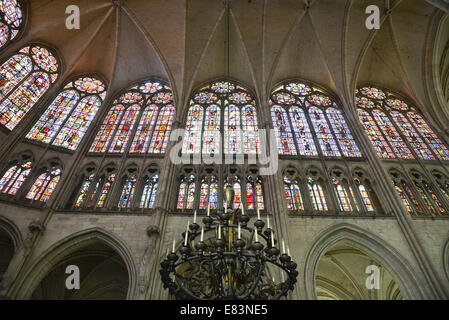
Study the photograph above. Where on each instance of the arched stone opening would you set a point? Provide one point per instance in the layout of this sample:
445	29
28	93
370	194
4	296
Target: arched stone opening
378	251
102	272
348	273
106	269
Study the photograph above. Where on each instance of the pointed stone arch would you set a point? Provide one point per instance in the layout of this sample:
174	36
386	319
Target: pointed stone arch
368	243
70	245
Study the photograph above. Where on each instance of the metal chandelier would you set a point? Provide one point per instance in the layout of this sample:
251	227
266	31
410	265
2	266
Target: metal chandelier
238	262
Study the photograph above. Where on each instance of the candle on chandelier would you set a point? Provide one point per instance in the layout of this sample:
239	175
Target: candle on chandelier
239	232
283	246
208	210
243	209
288	250
268	221
219	231
194	217
256	235
272	238
187	233
202	234
174	244
258	213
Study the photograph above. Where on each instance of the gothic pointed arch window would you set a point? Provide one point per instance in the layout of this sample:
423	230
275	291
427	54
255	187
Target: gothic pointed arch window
24	79
68	117
149	192
428	194
342	196
149	189
317	190
128	189
405	193
209	192
343	191
102	188
45	184
186	193
366	192
11	20
87	181
139	121
306	118
404	133
442	181
221	100
293	195
15	175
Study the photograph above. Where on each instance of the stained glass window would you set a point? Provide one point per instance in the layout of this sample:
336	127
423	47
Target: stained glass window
181	195
149	192
232	133
44	186
211	137
429	136
424	197
124	130
299	104
186	194
412	136
375	135
293	195
438	204
147	106
316	195
11	20
230	102
194	127
408	198
204	194
417	133
19	97
392	135
14	177
213	196
342	133
84	96
127	194
162	130
404	199
284	137
342	196
250	194
259	195
254	193
209	193
144	130
82	194
107	129
325	139
250	130
190	194
105	190
365	196
302	131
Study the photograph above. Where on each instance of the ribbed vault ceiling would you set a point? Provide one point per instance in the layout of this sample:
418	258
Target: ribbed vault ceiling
184	42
